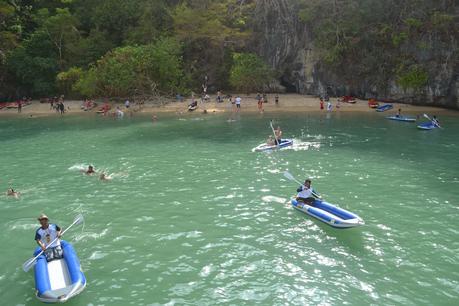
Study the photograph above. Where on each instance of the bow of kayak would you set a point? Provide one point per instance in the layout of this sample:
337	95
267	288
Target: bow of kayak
61	279
329	213
427	126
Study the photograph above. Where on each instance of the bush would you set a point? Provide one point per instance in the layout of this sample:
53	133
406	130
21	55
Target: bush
249	72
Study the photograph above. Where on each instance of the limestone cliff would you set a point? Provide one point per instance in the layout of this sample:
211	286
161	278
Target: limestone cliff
288	45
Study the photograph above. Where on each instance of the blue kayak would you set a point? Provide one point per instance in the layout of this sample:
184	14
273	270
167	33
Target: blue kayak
384	107
329	213
427	126
60	279
402	118
266	147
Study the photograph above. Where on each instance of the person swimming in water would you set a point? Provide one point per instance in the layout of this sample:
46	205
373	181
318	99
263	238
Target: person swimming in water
104	177
90	170
11	193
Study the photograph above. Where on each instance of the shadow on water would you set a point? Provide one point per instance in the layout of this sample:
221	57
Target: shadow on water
350	238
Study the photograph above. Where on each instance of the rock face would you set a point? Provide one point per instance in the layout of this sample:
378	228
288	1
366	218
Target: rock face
286	44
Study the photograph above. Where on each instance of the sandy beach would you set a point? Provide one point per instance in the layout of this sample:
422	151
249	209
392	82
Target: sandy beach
287	103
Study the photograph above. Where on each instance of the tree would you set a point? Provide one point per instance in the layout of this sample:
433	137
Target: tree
249	73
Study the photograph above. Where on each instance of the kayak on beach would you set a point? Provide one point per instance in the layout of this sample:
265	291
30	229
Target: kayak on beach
60	279
268	147
329	213
384	108
402	118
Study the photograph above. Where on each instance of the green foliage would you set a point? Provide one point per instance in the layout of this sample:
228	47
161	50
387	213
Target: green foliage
414	77
399	38
249	72
413	23
129	70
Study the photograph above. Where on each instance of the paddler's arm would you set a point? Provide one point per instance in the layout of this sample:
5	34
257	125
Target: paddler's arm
38	240
300	189
58	230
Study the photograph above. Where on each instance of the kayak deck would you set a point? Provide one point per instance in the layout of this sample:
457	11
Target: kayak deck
265	147
329	213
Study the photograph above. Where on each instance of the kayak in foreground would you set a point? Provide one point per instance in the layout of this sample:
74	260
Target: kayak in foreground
329	213
427	126
266	147
384	107
402	118
60	279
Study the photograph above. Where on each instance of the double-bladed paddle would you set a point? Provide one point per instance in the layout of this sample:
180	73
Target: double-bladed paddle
290	177
32	261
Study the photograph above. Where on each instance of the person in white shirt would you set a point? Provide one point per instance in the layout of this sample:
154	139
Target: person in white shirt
238	103
127	104
306	193
47	237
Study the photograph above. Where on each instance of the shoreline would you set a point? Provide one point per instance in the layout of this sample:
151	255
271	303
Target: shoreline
288	103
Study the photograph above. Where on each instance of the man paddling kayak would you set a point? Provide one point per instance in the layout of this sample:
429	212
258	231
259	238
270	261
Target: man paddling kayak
45	235
306	193
278	134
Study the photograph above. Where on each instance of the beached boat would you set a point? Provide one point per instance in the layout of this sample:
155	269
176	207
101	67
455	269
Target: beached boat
402	118
329	213
427	126
384	107
266	147
60	279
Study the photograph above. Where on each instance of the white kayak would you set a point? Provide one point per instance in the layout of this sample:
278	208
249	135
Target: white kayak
329	213
266	147
60	279
402	118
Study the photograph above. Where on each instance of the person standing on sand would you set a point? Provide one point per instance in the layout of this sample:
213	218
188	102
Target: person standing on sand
127	104
321	103
238	103
19	106
276	99
260	105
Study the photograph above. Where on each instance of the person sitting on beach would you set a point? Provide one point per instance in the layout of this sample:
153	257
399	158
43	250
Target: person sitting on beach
47	237
278	134
11	193
305	193
193	105
90	170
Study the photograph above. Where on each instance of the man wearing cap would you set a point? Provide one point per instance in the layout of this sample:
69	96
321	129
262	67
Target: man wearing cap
47	237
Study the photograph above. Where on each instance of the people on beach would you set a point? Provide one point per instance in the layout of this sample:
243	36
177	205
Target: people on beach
278	134
61	107
219	97
19	106
238	103
193	105
305	193
260	105
329	106
127	104
276	99
90	170
321	103
119	113
47	237
11	193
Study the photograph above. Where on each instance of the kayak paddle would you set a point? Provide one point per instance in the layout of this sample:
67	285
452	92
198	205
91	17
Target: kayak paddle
32	261
290	177
434	122
272	128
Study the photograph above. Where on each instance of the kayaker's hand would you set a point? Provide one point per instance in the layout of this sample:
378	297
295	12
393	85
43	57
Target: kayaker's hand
43	247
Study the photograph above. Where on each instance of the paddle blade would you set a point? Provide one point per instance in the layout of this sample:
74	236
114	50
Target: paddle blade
78	219
289	176
425	116
29	264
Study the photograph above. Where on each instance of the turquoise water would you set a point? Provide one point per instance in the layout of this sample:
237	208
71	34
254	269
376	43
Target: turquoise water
193	217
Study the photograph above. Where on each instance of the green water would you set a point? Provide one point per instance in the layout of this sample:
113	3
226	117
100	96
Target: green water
193	217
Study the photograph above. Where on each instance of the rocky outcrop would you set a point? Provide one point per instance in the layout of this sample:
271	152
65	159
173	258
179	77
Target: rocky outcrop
287	45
